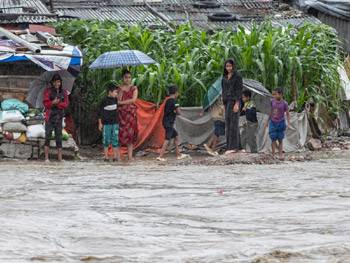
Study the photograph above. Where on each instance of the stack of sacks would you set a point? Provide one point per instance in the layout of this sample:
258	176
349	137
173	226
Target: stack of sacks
18	122
11	120
35	124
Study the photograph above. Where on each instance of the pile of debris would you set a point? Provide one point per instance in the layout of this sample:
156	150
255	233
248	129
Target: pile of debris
247	158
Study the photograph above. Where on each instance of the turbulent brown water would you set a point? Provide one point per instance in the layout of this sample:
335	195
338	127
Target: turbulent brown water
93	212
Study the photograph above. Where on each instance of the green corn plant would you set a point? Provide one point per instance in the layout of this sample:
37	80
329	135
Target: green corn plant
303	61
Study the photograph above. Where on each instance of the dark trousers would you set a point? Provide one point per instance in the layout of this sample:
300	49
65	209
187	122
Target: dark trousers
249	132
232	127
57	128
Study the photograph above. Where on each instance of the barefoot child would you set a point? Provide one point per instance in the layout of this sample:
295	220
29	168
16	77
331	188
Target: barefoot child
250	126
170	111
108	122
217	112
277	122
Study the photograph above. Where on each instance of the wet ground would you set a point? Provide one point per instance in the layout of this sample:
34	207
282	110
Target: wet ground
97	212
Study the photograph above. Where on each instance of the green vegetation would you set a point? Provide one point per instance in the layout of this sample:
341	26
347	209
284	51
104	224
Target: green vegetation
303	61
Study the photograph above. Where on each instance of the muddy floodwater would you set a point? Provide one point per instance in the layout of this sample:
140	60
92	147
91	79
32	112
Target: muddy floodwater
97	212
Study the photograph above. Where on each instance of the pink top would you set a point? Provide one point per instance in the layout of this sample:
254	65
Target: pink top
278	109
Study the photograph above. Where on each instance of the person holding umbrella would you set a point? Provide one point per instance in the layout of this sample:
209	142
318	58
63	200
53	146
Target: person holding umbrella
127	93
232	86
127	112
55	102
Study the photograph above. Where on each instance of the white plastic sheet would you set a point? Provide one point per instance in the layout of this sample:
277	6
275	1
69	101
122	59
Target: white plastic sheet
194	127
345	83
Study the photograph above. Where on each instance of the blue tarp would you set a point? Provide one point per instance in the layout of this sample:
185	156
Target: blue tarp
60	60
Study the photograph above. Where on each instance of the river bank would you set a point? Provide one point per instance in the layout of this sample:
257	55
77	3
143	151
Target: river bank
90	211
331	148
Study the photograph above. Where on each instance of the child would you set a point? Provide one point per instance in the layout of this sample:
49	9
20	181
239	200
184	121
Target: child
250	127
170	111
108	122
277	122
217	112
55	102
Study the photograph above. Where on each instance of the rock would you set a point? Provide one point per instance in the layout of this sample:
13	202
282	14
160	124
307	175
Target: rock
16	150
141	154
292	158
346	133
314	144
66	145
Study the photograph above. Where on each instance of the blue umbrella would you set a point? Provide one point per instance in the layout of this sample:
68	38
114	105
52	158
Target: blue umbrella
116	59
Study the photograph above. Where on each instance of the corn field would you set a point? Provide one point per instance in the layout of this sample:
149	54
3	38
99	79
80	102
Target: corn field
303	61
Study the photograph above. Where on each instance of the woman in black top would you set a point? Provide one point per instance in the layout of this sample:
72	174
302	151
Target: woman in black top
232	86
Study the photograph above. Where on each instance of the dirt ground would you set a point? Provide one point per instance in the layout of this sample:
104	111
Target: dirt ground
198	156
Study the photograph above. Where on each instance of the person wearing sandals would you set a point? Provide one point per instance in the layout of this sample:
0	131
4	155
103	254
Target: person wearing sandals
217	112
277	123
171	109
108	122
232	86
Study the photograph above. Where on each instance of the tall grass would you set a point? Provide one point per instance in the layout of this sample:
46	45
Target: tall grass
304	62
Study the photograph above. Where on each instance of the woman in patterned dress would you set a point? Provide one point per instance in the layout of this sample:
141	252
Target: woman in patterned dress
127	96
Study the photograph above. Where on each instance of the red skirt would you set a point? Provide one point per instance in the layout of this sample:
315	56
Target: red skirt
127	124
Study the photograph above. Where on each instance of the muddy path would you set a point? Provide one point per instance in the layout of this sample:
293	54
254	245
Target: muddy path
97	212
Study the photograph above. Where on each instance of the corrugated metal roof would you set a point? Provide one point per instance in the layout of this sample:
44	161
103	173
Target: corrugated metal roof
178	11
123	14
24	11
132	12
245	11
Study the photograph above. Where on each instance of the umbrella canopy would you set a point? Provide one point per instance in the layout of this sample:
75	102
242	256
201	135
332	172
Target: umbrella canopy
37	87
117	59
261	96
213	93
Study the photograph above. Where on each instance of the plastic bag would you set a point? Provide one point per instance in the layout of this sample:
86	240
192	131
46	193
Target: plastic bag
16	135
14	127
14	104
11	116
36	131
65	135
8	135
22	138
34	120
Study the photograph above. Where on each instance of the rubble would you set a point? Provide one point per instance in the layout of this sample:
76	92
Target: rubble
314	144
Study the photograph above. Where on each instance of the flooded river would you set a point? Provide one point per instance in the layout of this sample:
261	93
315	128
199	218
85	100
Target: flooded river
96	212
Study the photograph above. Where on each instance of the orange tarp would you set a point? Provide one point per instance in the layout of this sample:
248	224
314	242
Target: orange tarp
151	132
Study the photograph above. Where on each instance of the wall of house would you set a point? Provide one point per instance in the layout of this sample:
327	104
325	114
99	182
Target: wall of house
15	79
341	25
